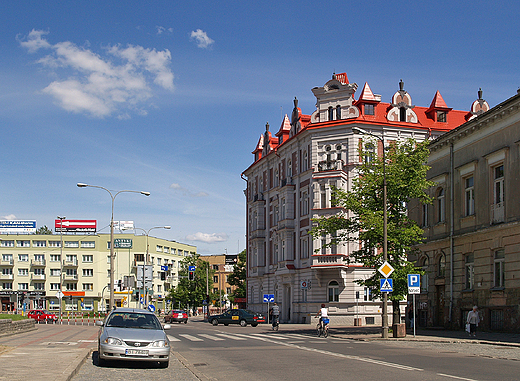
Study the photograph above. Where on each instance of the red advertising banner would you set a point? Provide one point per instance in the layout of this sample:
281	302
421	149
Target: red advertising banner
75	225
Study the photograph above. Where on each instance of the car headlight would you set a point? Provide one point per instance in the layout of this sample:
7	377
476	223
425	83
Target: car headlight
160	343
113	341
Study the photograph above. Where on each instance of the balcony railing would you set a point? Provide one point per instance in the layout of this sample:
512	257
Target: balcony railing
258	233
7	262
329	260
37	276
70	263
331	165
6	277
37	262
71	277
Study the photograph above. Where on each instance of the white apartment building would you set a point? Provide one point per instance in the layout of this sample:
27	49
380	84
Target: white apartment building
290	181
32	266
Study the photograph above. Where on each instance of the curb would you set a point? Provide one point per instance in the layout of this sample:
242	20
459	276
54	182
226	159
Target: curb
75	365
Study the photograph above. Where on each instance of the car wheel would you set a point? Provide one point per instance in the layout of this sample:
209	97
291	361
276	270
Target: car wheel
226	324
185	321
214	322
243	323
254	324
164	364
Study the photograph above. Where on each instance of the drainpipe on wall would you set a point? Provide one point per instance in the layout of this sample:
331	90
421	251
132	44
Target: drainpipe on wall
452	228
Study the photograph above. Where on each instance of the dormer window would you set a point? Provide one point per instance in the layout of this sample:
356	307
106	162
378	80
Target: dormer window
441	116
369	109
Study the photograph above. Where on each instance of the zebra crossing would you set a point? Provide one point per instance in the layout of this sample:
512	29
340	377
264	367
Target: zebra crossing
221	336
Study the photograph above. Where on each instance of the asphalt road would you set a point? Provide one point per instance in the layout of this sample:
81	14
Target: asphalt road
233	352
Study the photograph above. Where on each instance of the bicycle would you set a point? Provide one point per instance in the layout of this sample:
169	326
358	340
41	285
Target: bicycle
276	322
323	329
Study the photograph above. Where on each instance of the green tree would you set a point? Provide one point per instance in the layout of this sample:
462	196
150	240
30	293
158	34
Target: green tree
44	230
361	216
191	293
238	277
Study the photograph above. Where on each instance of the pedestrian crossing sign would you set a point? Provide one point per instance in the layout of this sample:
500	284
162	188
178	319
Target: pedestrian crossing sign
386	285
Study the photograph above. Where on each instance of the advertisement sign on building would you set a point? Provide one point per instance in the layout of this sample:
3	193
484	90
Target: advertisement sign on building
17	226
75	226
122	243
124	225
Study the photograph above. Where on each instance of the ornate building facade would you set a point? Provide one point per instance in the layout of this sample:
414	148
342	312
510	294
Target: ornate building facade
290	181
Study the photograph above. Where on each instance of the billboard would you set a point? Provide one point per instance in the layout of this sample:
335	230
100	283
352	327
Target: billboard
75	226
17	226
124	225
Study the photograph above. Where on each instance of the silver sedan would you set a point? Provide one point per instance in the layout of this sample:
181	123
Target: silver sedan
135	335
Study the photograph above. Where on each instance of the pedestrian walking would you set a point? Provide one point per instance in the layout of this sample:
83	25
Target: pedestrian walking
473	320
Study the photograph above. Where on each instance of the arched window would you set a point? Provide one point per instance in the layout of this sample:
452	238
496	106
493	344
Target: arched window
333	291
338	112
331	113
425	263
441	266
402	114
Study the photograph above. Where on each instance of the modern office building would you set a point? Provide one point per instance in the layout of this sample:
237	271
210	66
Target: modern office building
472	251
290	181
32	267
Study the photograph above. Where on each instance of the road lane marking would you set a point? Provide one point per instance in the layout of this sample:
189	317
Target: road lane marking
172	338
214	338
271	336
190	337
230	337
456	377
350	357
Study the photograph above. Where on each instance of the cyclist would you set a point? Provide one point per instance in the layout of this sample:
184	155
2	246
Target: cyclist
323	314
275	311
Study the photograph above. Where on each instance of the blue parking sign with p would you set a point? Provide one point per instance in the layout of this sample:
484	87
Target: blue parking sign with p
414	283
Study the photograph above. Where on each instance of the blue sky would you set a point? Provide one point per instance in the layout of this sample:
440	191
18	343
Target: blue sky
171	97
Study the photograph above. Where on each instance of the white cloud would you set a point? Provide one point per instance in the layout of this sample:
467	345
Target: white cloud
161	30
118	82
187	192
208	238
202	39
9	217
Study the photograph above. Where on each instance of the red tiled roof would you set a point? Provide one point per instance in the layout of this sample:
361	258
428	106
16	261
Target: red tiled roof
367	94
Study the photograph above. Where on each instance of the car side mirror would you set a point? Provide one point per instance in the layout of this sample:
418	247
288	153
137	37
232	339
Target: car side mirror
100	323
167	326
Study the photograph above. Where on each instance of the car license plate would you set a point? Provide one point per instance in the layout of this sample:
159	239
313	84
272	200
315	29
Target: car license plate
136	352
261	321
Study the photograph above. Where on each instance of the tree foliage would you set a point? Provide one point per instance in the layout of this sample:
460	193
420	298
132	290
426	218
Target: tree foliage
191	292
238	277
361	216
44	230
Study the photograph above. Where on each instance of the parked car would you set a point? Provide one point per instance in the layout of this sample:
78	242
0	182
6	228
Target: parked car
133	335
178	316
42	316
238	316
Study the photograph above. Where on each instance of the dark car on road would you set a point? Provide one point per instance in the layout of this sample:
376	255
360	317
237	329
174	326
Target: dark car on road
178	316
42	316
238	316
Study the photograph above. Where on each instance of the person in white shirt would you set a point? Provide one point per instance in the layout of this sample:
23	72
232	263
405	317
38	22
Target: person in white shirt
473	320
323	313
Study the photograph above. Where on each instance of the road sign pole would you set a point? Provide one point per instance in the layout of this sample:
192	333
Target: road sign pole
413	315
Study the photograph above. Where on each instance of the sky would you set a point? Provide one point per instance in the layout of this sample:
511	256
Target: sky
171	97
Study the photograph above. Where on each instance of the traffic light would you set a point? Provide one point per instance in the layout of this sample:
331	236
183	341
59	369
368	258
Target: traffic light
70	298
163	276
191	275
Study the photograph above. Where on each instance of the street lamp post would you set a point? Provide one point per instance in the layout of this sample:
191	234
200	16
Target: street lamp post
146	259
385	228
112	255
60	293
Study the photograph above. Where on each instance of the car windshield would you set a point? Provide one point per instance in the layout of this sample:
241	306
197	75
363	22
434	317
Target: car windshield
133	320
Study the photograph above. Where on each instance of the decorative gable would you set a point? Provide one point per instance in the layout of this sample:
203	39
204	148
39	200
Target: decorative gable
478	107
401	108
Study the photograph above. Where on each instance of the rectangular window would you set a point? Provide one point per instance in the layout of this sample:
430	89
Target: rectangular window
159	249
23	243
39	258
71	272
88	272
55	272
72	244
158	261
71	286
499	184
441	116
469	196
7	258
424	215
39	271
304	252
88	244
88	258
55	257
174	251
215	267
159	288
367	294
166	250
7	285
369	109
71	258
470	271
23	272
55	286
39	243
7	271
215	279
499	268
23	286
39	286
88	286
215	290
54	243
23	257
6	243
